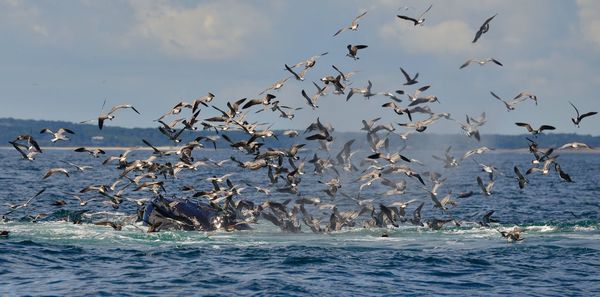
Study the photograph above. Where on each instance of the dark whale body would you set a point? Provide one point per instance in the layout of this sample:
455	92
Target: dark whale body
182	214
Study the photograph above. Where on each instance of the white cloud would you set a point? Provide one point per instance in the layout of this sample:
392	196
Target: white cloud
22	15
215	30
589	21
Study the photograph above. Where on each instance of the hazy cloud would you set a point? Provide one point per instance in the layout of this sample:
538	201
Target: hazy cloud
214	30
23	15
589	10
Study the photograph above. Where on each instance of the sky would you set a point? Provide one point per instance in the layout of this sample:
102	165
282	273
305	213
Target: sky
60	60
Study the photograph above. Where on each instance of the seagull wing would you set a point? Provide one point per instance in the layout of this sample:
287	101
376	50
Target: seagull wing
587	114
339	31
408	19
427	10
576	110
466	64
546	127
527	126
405	74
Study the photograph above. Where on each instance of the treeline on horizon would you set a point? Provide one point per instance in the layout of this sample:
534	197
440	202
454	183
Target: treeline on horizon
10	128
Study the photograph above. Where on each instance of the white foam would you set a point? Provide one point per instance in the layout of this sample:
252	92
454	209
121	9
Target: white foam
544	228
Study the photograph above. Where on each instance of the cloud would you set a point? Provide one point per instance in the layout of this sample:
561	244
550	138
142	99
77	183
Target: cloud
453	36
22	15
215	30
589	21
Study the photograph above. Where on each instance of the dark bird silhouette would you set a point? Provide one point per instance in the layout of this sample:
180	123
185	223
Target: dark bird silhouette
484	28
535	131
579	117
353	50
409	80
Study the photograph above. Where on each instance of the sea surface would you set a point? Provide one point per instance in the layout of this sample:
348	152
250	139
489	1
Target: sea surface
560	223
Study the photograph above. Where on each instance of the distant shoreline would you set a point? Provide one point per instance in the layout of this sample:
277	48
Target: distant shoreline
167	148
104	148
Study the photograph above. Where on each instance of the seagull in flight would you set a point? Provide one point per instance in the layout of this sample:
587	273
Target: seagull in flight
409	80
110	115
480	62
579	117
535	131
484	28
353	26
418	21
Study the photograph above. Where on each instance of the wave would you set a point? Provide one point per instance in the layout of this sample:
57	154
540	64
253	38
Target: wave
266	234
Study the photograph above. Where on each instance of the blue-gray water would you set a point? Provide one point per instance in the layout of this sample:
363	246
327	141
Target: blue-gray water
560	254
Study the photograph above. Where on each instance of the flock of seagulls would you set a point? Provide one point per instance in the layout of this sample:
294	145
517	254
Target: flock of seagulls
223	201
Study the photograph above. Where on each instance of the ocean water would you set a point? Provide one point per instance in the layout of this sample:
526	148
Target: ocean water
560	223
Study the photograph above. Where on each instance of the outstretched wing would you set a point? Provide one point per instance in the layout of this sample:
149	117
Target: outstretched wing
465	64
408	19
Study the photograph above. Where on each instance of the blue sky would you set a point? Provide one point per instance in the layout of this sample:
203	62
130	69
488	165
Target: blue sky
61	59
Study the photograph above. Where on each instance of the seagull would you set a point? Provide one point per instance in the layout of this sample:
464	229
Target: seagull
535	131
59	135
27	152
477	151
311	101
417	21
579	117
266	101
489	169
110	114
409	80
155	151
563	175
364	91
574	146
220	179
487	219
30	141
522	180
486	189
420	126
353	50
308	63
26	204
510	105
484	28
353	26
79	167
204	100
449	160
324	133
290	133
480	62
426	99
512	235
470	127
298	77
276	86
526	95
94	152
545	168
78	197
415	96
392	95
52	171
398	109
